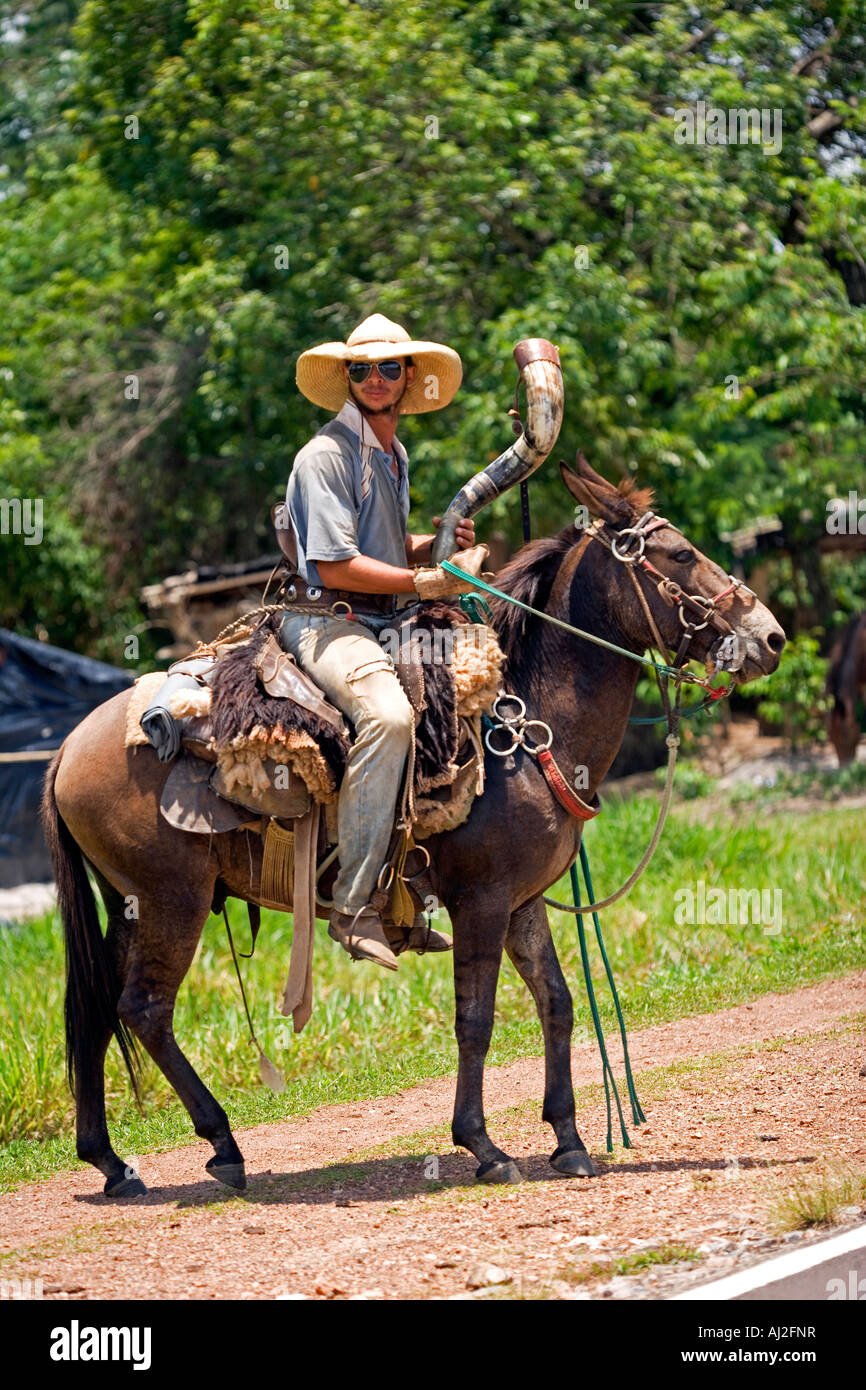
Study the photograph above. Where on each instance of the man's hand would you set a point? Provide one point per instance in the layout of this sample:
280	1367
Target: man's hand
465	531
419	548
435	582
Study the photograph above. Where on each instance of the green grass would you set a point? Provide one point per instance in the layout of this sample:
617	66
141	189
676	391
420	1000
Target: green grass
373	1034
818	1199
666	1254
576	1273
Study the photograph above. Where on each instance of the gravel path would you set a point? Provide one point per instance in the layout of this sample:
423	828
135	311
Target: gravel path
370	1199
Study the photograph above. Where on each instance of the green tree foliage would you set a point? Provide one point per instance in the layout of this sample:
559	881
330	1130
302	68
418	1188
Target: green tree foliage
207	187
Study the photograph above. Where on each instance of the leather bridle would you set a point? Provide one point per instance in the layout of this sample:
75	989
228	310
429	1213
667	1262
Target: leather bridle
628	545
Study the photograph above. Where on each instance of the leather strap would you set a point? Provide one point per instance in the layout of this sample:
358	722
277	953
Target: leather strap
310	598
298	994
254	912
565	794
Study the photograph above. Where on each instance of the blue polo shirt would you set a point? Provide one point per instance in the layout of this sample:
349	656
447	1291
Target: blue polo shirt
344	500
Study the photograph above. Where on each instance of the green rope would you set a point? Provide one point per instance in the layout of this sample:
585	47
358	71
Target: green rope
705	707
638	1115
476	608
471	605
607	1071
677	672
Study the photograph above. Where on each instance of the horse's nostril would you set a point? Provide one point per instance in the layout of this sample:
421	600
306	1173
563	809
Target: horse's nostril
776	640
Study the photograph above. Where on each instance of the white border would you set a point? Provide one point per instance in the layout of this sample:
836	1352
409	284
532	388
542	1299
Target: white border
781	1267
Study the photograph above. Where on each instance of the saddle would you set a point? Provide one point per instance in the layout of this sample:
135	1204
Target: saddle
254	736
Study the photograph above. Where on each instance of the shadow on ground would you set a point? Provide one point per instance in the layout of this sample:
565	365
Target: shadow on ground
396	1179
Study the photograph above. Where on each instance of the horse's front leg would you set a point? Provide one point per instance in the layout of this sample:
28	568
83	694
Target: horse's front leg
531	950
479	925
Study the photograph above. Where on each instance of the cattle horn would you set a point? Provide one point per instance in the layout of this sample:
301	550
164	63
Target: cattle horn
541	374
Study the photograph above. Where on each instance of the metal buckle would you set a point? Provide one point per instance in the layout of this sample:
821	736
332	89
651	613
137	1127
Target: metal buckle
341	603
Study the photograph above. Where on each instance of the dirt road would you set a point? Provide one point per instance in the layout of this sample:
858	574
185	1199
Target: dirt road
370	1200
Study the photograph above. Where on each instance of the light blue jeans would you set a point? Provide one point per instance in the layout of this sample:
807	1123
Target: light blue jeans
357	676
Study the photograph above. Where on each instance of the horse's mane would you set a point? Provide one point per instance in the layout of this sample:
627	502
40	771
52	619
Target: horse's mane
641	498
530	575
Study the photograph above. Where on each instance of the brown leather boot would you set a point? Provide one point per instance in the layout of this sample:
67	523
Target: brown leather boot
363	936
420	937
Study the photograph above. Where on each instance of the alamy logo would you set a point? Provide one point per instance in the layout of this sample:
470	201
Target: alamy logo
22	517
703	906
77	1343
855	1289
732	125
10	1287
847	516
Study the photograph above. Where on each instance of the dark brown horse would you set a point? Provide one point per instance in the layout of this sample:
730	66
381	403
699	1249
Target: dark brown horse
846	683
102	806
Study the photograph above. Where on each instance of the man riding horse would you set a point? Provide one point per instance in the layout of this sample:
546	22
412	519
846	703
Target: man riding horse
100	796
348	505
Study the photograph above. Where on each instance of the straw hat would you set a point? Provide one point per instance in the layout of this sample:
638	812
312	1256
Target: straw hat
438	370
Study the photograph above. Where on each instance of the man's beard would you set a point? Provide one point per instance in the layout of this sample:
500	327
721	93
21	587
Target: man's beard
367	410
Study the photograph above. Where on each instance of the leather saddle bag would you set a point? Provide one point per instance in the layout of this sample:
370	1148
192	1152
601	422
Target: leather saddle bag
283	678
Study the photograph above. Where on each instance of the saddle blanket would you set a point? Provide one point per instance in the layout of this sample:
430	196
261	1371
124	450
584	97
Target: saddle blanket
277	744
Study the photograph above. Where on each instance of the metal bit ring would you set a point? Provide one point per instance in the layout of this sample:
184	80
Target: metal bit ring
687	622
628	558
509	719
500	752
536	747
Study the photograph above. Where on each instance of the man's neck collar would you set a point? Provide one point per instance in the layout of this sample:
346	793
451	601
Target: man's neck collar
352	417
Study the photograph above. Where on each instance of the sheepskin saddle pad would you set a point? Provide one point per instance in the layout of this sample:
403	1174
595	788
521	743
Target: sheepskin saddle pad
255	711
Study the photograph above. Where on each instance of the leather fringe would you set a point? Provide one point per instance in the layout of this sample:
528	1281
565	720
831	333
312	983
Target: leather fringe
278	866
402	907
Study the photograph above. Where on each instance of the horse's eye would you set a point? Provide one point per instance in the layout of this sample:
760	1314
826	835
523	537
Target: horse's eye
683	557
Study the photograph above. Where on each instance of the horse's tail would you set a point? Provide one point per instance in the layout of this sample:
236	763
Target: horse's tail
92	986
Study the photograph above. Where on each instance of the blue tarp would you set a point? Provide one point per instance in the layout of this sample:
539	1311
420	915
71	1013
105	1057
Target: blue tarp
44	692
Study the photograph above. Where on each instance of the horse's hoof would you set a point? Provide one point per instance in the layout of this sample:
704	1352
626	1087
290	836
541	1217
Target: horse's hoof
230	1174
499	1171
574	1163
127	1187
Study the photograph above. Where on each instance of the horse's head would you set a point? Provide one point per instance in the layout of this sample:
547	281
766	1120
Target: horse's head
699	611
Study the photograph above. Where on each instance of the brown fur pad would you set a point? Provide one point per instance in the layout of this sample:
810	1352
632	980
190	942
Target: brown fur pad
244	714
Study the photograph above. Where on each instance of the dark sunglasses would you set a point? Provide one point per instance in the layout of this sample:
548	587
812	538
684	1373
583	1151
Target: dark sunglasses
391	371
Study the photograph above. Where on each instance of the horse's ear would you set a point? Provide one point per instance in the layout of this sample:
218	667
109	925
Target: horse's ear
594	492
